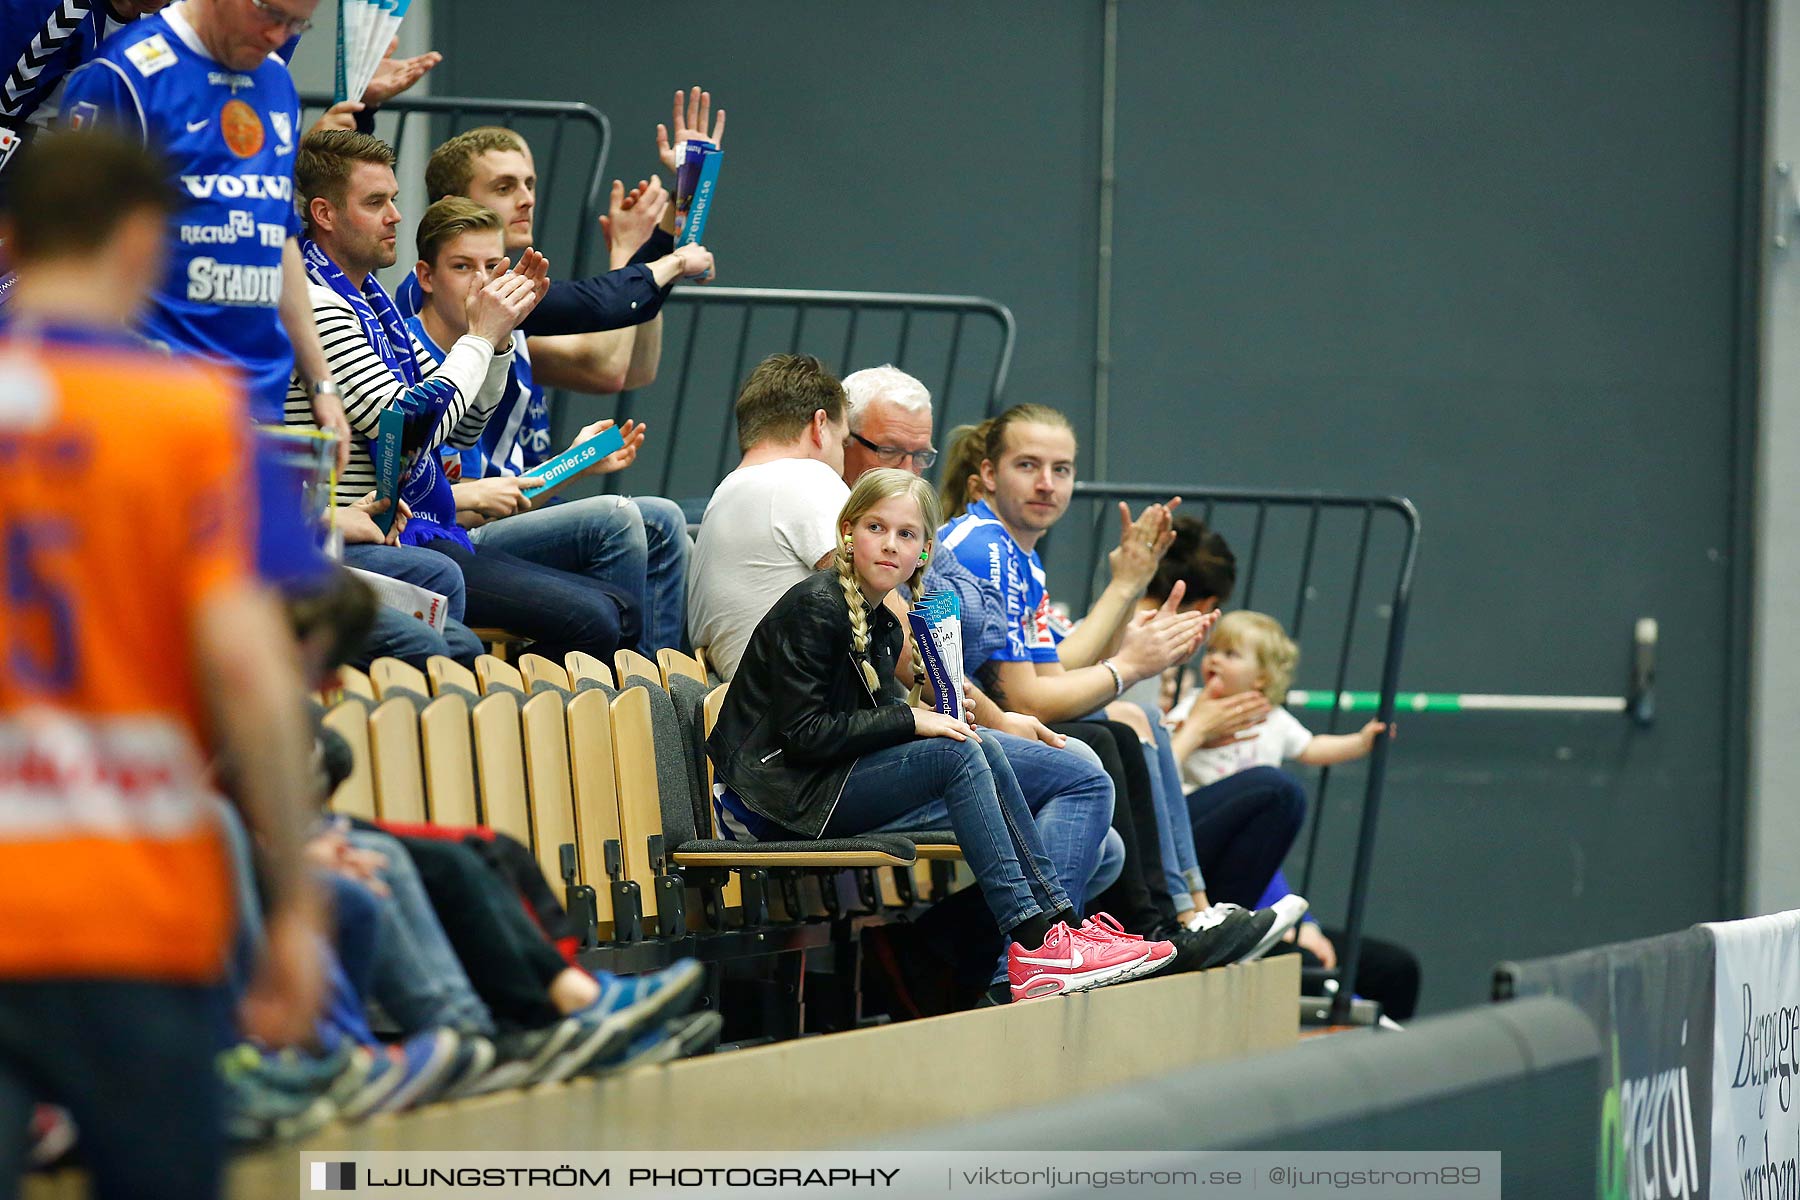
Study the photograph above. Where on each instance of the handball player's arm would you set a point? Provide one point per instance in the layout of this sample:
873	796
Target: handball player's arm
245	654
249	675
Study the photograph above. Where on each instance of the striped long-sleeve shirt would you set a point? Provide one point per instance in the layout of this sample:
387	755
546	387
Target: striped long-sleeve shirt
472	367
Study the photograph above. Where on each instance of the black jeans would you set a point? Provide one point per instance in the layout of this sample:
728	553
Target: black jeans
1243	826
509	961
558	610
1139	899
133	1064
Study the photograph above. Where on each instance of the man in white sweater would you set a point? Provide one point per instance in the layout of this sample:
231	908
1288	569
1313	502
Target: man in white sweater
772	521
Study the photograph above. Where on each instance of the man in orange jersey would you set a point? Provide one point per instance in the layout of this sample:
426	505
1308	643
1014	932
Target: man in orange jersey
133	638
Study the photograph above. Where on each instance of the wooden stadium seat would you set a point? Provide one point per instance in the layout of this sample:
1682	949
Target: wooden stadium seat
547	781
700	657
585	666
386	674
595	788
493	672
394	760
641	807
500	765
634	782
448	673
674	662
533	667
715	700
355	796
355	683
449	754
627	663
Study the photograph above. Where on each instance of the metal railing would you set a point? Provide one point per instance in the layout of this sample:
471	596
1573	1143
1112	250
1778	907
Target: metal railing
694	442
689	406
556	130
1301	554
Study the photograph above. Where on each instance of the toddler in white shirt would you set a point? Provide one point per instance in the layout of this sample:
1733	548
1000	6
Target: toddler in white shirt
1250	652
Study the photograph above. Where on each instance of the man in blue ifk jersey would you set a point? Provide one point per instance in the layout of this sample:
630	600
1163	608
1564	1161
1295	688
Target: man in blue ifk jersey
200	83
41	41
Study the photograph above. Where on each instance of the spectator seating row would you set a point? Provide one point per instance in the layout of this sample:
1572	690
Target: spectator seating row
602	772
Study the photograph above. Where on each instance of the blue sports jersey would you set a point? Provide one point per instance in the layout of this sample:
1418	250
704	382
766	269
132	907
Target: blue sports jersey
41	41
517	437
230	137
984	547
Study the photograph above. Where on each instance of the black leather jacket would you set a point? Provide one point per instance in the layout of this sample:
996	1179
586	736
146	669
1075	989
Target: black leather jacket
799	713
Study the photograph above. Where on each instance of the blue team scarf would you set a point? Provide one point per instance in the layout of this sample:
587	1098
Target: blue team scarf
381	322
424	487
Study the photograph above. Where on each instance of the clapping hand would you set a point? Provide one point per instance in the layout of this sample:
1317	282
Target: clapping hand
631	217
1142	543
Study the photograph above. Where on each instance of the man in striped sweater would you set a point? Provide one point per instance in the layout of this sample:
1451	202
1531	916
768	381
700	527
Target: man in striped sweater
347	189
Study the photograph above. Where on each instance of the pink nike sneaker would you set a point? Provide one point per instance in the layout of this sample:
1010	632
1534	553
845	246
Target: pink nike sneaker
1103	926
1069	961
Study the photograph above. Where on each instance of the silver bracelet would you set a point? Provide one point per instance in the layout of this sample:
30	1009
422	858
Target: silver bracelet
1118	679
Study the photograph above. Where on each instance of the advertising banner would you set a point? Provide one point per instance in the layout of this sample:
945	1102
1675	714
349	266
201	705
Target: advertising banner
1652	1004
1756	1055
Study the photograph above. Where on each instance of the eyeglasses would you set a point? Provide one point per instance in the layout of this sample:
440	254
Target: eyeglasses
275	16
890	456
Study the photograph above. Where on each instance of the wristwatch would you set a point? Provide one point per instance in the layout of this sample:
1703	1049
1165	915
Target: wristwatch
325	387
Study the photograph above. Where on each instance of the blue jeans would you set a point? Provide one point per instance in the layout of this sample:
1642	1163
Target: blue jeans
417	978
1070	797
639	546
1109	868
558	610
397	635
343	1016
928	783
1243	826
356	928
1181	865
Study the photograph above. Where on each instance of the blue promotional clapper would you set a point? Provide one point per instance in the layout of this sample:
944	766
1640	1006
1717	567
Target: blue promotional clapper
578	457
936	622
389	464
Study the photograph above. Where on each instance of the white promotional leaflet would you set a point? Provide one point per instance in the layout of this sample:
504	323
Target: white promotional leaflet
1756	1056
411	599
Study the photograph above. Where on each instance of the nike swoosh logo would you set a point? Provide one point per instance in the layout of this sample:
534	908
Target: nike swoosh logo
196	126
1072	962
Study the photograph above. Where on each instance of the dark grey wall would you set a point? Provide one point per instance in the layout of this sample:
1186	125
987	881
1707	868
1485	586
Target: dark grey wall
1483	256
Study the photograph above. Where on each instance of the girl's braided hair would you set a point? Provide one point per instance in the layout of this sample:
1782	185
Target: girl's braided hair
877	485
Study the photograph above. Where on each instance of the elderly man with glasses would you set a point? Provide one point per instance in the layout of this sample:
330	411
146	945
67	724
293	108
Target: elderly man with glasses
890	422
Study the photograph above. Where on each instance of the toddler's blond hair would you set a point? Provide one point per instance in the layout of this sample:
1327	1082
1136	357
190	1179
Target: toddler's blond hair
1267	642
